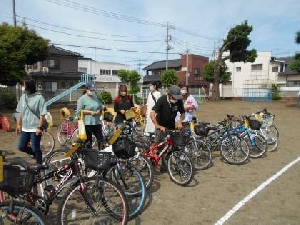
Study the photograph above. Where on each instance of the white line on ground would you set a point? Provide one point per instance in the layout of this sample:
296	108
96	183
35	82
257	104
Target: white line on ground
255	192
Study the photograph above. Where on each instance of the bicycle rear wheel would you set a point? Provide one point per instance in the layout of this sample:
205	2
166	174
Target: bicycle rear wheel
180	168
62	133
258	145
272	135
100	201
47	143
20	213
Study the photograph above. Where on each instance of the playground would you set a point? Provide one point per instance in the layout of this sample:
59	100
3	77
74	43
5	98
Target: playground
223	193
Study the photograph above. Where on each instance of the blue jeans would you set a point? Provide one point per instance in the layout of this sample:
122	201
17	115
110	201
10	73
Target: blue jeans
35	148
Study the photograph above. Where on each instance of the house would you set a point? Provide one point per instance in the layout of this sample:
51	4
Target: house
105	72
190	74
57	73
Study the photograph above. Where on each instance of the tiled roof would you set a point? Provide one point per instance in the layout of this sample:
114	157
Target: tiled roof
288	70
175	63
149	78
60	51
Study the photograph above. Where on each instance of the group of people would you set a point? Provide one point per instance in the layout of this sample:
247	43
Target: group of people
163	112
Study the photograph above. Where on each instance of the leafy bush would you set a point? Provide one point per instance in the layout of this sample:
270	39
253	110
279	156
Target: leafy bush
105	97
8	99
275	92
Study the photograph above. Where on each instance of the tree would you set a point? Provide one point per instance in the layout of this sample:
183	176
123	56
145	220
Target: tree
130	77
19	46
208	72
295	64
169	78
236	45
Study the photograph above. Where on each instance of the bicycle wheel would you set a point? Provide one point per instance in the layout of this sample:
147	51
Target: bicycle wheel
234	149
200	153
271	135
132	183
20	213
47	143
257	145
180	168
100	201
145	167
62	133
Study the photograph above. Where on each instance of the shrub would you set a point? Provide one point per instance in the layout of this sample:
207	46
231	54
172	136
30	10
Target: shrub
275	92
105	97
8	99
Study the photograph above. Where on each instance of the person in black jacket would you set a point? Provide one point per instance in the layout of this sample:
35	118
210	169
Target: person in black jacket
123	102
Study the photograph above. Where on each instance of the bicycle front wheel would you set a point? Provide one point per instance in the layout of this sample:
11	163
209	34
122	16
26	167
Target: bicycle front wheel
47	143
98	202
20	213
180	168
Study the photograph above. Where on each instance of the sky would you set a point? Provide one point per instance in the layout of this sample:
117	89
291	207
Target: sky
134	32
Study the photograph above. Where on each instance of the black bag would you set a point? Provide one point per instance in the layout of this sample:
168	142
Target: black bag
178	137
124	148
254	124
201	129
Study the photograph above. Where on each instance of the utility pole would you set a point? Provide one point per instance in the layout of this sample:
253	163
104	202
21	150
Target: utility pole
14	12
187	67
168	46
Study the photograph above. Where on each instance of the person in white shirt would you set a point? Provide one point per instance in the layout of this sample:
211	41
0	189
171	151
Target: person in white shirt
153	96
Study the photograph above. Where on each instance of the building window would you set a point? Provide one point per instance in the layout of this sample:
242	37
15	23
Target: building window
238	69
197	72
115	72
62	84
275	69
82	69
256	67
53	63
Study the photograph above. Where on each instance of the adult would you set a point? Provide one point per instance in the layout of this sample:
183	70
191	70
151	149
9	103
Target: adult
91	107
153	96
163	115
31	110
123	102
190	105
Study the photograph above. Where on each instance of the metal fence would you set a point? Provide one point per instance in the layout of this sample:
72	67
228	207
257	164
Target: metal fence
257	95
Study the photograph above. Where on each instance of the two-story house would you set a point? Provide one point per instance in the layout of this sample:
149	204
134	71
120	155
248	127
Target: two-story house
57	73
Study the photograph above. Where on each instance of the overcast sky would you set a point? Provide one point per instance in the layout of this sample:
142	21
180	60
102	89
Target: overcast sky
134	31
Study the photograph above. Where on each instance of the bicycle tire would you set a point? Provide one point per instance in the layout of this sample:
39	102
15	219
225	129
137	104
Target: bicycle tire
129	178
47	143
105	193
272	136
234	149
146	168
179	163
62	133
200	153
32	215
258	147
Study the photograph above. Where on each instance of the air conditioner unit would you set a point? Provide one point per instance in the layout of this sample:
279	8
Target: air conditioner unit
45	70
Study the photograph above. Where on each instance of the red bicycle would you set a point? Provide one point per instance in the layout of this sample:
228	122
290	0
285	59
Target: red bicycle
180	167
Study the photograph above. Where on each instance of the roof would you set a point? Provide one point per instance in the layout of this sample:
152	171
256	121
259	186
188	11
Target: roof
149	78
60	51
288	70
175	63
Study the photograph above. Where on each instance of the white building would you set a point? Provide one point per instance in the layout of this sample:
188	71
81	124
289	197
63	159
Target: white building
106	73
251	78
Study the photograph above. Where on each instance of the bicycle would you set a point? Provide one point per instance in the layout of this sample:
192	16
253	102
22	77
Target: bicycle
180	167
47	143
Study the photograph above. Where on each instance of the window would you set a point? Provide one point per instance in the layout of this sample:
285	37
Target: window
256	67
63	85
275	69
238	69
115	72
82	69
53	63
197	72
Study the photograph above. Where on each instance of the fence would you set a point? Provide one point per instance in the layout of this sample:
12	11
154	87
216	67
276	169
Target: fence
257	95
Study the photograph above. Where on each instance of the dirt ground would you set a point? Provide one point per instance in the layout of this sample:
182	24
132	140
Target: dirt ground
217	190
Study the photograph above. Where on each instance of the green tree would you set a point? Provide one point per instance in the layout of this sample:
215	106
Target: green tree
235	44
19	46
169	78
295	64
131	78
208	72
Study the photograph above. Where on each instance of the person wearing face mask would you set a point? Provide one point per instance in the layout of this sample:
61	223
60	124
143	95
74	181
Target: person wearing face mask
91	107
123	102
31	111
163	115
190	105
153	96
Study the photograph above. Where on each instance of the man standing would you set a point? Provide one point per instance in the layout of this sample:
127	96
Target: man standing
164	112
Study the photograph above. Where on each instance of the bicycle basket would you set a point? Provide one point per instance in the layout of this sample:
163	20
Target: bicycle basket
254	124
124	148
96	160
178	137
16	180
201	129
108	117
